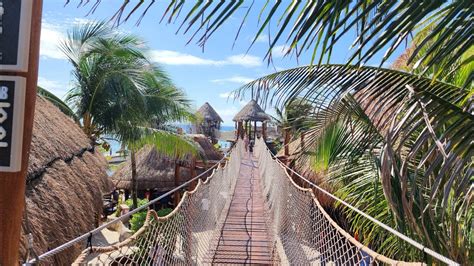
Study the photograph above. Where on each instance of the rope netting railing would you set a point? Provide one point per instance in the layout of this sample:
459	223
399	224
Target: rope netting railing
303	232
300	231
183	237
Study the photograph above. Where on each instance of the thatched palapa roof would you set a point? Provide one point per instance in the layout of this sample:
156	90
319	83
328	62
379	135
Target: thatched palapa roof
155	171
208	113
251	112
65	182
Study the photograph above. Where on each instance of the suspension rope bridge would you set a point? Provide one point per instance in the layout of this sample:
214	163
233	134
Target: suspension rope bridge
248	212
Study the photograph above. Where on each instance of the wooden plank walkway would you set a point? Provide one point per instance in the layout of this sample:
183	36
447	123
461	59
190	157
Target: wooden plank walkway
244	238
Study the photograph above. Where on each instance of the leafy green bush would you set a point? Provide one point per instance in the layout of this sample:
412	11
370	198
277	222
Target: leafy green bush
164	212
138	219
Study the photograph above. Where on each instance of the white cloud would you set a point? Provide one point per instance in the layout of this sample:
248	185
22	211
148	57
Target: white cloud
262	38
234	79
229	96
51	37
58	88
169	57
226	94
244	60
279	51
228	114
53	34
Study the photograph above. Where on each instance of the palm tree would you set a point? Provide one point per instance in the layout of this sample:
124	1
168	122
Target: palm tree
119	93
395	145
283	124
319	26
401	140
290	119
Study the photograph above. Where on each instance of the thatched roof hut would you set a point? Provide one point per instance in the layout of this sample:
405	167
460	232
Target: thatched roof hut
252	112
208	113
210	123
65	182
155	171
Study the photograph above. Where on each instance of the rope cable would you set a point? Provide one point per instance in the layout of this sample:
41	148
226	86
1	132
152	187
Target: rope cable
372	219
122	217
298	231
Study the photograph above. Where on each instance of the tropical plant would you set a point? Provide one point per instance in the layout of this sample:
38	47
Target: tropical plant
394	144
283	124
138	219
119	93
411	130
56	101
456	71
291	120
320	26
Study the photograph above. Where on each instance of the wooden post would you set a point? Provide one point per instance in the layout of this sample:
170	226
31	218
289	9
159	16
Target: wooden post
255	130
242	133
12	185
177	178
193	173
286	141
134	179
236	127
264	130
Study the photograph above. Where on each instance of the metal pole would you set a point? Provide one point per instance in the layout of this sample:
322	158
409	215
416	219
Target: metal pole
12	185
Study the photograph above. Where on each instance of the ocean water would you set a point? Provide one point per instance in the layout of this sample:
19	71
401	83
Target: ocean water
116	146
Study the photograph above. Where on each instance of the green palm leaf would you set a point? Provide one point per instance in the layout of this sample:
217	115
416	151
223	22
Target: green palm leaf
321	25
407	135
57	102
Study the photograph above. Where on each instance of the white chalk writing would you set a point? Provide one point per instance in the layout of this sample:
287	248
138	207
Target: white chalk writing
3	115
2	12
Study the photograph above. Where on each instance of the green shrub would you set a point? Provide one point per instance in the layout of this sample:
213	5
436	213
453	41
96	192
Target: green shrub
138	219
164	212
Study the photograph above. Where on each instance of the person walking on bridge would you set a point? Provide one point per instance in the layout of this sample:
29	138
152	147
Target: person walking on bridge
246	143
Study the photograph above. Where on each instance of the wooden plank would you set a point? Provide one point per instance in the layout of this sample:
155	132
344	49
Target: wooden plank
244	236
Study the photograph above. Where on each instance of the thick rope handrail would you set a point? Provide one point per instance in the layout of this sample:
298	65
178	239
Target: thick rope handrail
407	239
122	217
151	214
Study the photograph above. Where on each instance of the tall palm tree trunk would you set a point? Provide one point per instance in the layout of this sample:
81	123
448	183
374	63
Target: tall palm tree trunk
134	179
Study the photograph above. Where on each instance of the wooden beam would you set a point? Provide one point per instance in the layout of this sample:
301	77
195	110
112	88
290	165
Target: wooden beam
255	130
177	179
12	185
193	173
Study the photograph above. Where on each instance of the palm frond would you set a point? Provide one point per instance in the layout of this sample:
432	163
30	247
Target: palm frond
413	131
321	25
165	142
57	102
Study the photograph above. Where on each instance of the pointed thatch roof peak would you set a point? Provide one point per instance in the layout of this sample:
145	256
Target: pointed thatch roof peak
253	112
208	113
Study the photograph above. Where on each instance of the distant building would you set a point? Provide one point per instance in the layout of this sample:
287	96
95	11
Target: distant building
251	112
208	122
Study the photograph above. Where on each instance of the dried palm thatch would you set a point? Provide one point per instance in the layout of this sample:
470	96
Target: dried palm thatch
208	113
65	182
252	112
155	171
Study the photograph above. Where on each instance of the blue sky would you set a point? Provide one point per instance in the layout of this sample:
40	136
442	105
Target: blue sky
206	76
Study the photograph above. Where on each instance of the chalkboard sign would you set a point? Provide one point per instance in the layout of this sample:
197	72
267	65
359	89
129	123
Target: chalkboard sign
12	102
15	23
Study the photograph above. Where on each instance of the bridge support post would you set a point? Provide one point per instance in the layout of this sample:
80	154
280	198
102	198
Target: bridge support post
13	184
177	178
